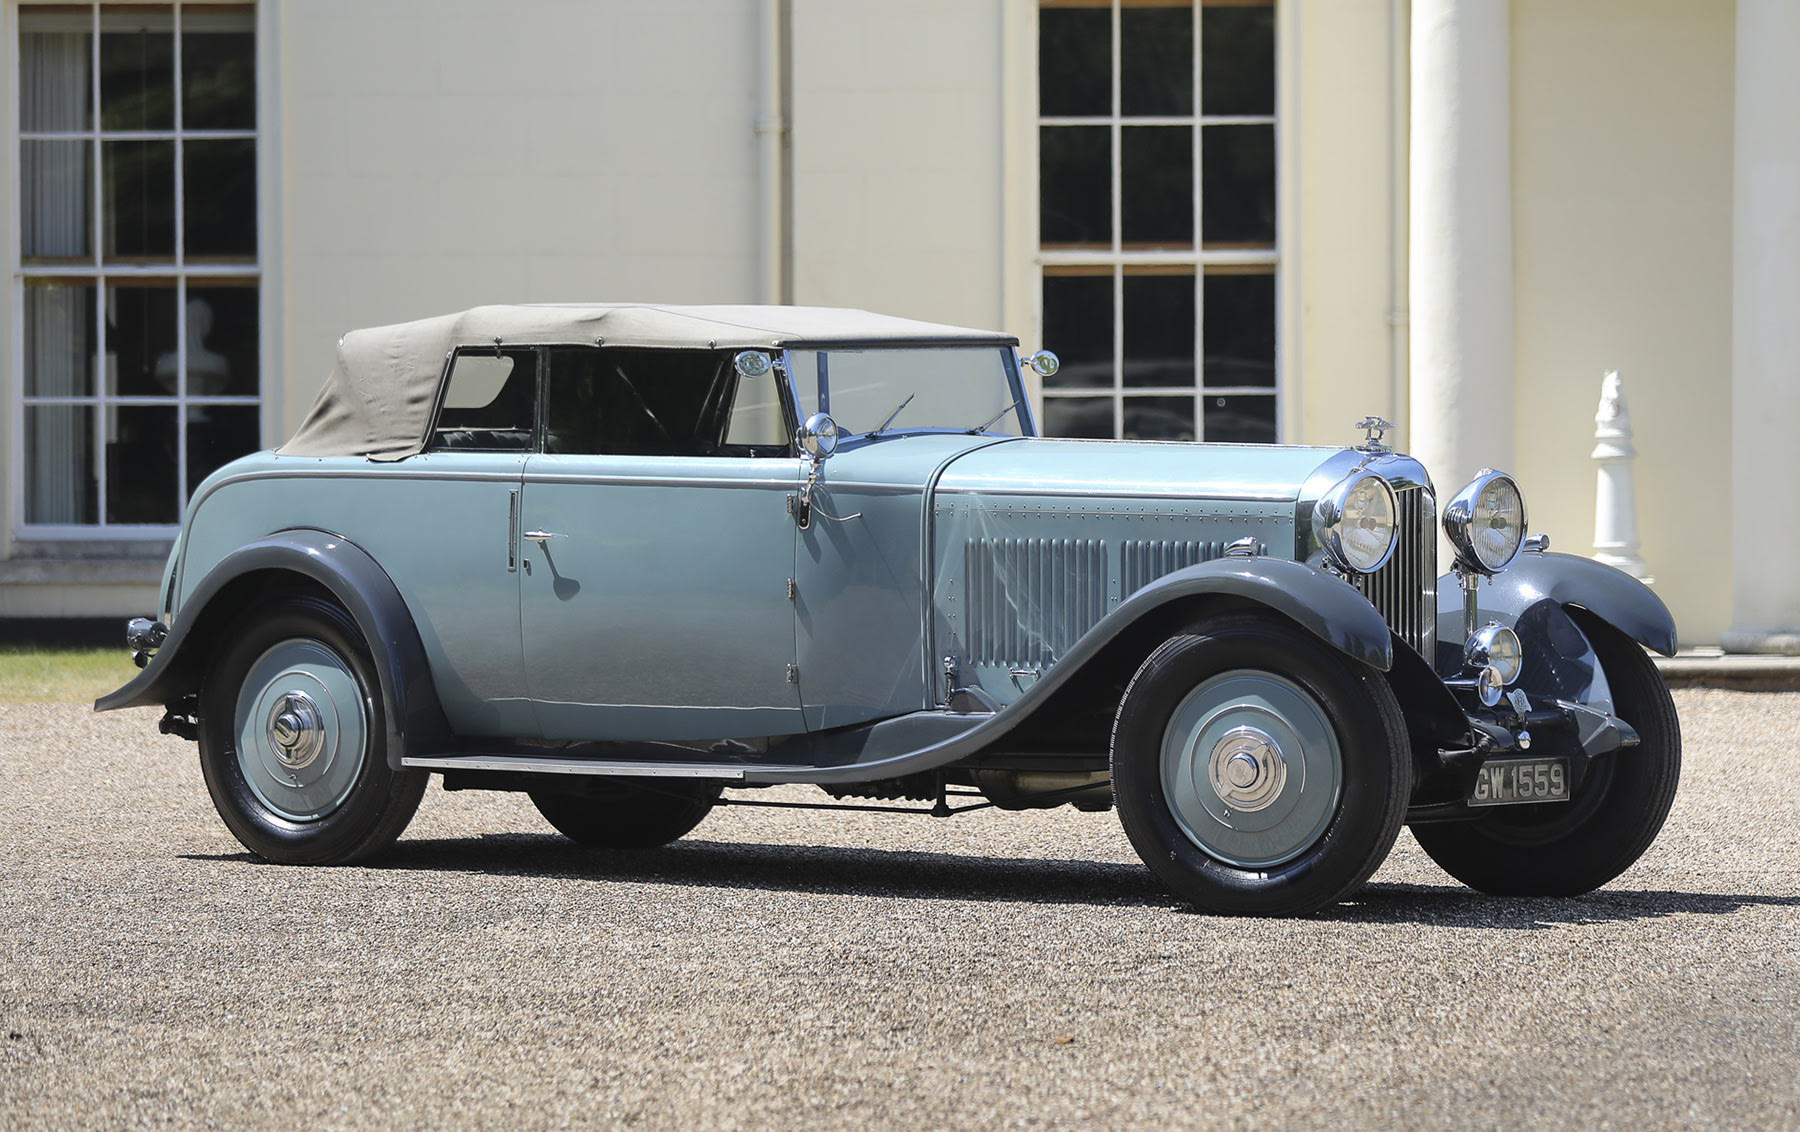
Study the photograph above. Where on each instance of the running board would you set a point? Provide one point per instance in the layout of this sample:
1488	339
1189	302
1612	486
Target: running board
623	768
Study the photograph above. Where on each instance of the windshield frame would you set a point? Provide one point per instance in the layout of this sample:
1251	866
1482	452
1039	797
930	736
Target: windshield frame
1019	408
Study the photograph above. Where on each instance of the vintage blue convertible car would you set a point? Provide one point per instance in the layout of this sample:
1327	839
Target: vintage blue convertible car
622	557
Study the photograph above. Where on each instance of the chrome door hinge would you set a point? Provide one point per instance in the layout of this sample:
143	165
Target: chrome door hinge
793	590
793	674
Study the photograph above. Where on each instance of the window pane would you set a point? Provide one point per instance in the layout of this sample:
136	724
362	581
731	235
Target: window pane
218	68
1247	419
756	414
1156	60
56	178
59	476
55	92
59	340
1237	192
140	464
1078	329
137	68
1159	418
222	340
1237	60
1156	186
1074	61
491	402
139	217
1075	186
1240	330
219	434
140	340
220	210
1159	330
1090	417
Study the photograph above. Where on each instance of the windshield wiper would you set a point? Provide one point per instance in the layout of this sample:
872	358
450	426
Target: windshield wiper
978	429
890	417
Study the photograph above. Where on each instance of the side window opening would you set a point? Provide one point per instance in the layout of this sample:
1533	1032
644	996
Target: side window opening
629	401
490	404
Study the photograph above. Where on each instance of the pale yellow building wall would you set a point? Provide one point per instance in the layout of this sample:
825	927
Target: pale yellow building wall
1622	128
437	157
1348	258
897	158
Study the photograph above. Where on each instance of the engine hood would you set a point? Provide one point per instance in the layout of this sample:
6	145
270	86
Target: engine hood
1129	469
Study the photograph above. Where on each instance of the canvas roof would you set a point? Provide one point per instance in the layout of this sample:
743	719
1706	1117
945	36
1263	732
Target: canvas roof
378	401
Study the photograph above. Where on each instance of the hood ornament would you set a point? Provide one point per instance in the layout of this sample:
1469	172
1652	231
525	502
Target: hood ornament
1375	428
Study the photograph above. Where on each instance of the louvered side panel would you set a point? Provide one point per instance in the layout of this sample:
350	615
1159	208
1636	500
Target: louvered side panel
1142	562
1030	599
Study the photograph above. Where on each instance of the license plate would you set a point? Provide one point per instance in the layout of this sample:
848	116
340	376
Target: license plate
1506	782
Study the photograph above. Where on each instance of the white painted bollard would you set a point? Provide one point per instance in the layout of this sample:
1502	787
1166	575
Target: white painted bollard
1615	499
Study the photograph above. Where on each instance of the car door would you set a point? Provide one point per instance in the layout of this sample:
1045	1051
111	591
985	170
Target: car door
658	550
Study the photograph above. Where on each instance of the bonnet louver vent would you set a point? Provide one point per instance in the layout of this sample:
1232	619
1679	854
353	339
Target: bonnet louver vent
1030	599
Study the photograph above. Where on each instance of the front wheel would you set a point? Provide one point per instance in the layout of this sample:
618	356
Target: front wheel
293	740
1568	848
1258	771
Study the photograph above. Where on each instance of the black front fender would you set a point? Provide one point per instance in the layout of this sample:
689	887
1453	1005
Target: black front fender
1611	595
256	570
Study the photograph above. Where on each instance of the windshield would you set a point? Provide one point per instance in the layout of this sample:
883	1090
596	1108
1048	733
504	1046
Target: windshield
949	387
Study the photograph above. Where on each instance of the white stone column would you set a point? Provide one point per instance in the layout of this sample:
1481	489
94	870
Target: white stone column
1461	305
1765	331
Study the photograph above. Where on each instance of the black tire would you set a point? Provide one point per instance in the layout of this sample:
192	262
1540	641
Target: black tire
1316	740
619	813
1568	848
300	672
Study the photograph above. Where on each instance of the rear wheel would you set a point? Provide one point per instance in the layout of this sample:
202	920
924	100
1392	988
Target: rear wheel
1257	770
627	814
1567	848
293	740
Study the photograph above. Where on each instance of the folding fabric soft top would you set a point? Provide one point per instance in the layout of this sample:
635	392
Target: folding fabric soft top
378	401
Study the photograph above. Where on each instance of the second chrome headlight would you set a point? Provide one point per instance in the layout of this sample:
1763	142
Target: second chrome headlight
1486	522
1354	522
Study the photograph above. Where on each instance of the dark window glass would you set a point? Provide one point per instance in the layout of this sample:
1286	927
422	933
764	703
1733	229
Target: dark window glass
59	465
1159	418
1075	185
1237	191
222	348
1240	330
1245	419
1074	62
218	68
1237	60
218	434
140	465
636	402
1156	186
137	68
1078	328
490	403
1159	330
220	209
140	201
1156	60
140	340
1089	417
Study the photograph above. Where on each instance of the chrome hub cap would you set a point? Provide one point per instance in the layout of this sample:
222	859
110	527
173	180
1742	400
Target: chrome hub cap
296	735
302	729
1251	768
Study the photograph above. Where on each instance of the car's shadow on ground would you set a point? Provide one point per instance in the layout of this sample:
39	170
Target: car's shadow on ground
852	871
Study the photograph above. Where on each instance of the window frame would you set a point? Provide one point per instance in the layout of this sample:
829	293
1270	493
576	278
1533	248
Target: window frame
1117	260
181	270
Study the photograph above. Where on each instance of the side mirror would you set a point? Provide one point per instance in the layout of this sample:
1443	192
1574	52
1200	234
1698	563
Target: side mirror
818	437
751	363
1043	363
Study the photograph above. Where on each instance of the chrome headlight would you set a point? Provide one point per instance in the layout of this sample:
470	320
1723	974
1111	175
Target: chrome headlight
1354	522
1496	647
1486	522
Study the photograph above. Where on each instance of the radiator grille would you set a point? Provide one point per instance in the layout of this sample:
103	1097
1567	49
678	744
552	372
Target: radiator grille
1405	590
1030	599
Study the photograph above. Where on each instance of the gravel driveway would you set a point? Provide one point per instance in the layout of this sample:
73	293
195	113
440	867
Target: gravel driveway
787	969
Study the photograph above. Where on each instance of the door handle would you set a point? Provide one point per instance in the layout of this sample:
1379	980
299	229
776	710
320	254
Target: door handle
542	538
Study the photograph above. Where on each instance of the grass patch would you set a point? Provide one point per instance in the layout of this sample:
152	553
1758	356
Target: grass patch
32	675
